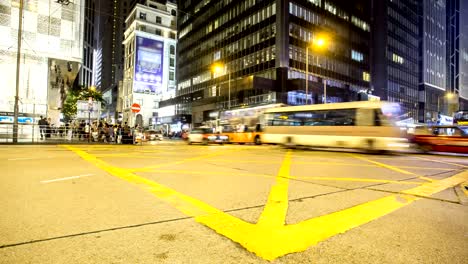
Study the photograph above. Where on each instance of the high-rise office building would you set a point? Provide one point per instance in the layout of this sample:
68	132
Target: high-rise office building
433	90
150	62
395	53
260	49
86	77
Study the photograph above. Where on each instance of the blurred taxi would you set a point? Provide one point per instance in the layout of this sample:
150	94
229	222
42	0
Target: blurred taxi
442	138
206	136
150	135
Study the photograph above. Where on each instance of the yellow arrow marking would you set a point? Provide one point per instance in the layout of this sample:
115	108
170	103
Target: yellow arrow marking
274	213
270	238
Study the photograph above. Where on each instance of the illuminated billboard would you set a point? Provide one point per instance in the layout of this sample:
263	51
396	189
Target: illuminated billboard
148	76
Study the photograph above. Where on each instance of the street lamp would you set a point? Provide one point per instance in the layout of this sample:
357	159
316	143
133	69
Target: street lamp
220	68
318	43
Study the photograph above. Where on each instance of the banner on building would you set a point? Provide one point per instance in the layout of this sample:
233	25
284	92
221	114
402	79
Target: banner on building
148	66
62	74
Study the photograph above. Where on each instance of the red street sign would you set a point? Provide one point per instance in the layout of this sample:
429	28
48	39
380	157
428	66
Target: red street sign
136	108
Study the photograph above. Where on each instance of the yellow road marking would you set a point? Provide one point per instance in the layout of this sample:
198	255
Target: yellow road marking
321	163
274	213
438	186
148	168
464	187
220	173
390	167
440	161
355	179
272	242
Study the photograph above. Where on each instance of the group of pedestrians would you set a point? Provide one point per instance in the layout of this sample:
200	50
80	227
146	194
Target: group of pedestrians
84	131
104	132
45	128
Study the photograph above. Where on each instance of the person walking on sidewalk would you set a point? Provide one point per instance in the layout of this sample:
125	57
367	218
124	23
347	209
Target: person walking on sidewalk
42	126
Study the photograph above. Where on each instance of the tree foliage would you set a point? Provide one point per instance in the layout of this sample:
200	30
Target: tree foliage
69	107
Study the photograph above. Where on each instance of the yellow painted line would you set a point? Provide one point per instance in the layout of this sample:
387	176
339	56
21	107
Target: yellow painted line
464	187
440	161
274	213
438	186
217	173
321	163
390	167
270	242
221	173
356	180
149	168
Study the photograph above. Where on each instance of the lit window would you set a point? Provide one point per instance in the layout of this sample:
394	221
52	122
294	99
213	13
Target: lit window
397	59
360	23
366	76
330	8
357	56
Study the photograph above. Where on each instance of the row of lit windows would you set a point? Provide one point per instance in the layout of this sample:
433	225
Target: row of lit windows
307	35
156	31
314	18
229	15
238	46
298	54
236	65
251	20
234	29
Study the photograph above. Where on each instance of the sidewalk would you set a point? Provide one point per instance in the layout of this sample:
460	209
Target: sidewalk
64	141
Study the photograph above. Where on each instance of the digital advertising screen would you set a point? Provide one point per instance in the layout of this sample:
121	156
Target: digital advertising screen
148	76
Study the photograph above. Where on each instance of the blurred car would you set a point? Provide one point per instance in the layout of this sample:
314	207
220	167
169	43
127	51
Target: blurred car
151	135
442	138
206	136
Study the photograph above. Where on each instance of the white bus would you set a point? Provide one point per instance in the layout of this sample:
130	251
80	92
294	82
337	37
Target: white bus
357	125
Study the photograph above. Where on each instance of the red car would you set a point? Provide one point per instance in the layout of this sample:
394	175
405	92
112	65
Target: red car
442	138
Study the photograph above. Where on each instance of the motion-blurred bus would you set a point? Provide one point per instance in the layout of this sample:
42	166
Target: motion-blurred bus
242	125
357	125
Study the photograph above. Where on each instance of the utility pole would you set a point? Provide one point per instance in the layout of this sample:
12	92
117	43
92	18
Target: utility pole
18	60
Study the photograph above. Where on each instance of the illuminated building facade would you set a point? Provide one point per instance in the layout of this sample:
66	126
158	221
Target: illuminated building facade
262	45
51	54
149	62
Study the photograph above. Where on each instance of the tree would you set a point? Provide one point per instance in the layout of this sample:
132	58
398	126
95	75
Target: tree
69	107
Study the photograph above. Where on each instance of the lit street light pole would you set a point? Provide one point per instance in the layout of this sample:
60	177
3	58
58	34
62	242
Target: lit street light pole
318	43
219	68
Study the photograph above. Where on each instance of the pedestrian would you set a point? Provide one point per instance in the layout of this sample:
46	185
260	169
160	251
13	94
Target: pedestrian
119	134
48	127
111	134
42	127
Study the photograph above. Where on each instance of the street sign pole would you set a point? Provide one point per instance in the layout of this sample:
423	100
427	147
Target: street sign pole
135	109
90	109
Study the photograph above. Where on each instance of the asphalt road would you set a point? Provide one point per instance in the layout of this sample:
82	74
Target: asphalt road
174	203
